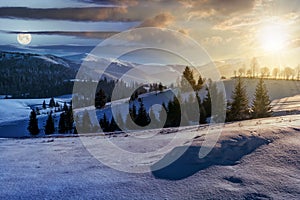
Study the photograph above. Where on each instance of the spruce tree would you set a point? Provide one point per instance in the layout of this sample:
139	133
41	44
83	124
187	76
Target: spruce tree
104	123
174	113
261	104
202	117
65	108
160	87
187	80
56	104
62	123
206	104
52	103
44	104
69	119
113	126
142	118
200	83
33	124
49	127
133	112
239	108
100	99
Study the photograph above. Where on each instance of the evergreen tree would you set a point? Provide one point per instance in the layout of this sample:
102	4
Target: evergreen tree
160	87
69	119
261	105
142	118
65	108
200	83
100	99
113	126
49	128
33	124
133	112
52	103
187	80
62	123
202	117
44	104
206	104
174	113
56	105
104	123
239	108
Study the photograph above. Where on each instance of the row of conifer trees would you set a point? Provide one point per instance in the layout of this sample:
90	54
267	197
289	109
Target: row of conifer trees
176	113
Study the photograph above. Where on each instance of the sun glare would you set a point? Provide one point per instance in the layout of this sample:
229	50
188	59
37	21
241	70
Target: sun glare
273	38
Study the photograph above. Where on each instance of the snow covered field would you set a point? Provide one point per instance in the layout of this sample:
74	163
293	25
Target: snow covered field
254	159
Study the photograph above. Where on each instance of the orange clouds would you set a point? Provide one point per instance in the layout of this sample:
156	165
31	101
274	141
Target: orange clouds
161	21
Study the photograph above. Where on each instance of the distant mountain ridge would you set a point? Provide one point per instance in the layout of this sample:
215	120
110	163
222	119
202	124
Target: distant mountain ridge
25	75
31	75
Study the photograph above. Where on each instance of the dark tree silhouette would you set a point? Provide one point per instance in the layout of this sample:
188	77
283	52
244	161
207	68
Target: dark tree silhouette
44	104
62	123
187	80
104	123
100	99
52	103
33	124
49	127
142	118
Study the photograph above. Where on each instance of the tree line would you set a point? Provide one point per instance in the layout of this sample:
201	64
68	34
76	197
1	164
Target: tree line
66	119
255	71
176	112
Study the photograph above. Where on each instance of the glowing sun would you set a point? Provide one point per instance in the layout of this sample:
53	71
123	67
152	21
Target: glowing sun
24	38
273	38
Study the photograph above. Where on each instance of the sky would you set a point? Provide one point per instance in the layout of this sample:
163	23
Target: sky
233	29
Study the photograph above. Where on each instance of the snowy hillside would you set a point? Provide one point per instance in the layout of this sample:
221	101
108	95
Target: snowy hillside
254	159
14	113
33	76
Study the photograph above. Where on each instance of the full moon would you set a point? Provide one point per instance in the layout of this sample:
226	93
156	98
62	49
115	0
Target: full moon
24	38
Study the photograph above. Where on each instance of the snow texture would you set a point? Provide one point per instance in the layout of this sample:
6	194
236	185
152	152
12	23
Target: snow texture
254	159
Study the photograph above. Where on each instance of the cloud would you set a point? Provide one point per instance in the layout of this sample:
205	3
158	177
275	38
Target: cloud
161	21
207	8
89	34
184	31
294	43
213	40
114	2
72	14
238	22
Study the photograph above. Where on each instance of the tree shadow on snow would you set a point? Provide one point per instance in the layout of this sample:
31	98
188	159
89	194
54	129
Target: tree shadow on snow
228	153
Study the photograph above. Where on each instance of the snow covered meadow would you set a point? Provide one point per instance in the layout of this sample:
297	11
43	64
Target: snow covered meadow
252	159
